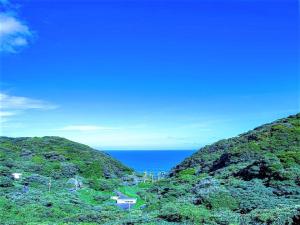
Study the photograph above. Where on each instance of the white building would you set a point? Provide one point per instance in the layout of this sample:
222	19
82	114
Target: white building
16	176
126	201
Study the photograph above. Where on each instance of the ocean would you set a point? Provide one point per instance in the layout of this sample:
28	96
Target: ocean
150	160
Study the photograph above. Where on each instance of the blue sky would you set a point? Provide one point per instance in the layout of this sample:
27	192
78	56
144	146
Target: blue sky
146	74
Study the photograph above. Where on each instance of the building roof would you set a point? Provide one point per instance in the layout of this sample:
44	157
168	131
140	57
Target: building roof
126	198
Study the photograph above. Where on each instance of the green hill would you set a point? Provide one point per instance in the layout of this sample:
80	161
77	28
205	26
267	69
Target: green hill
276	144
61	162
58	157
253	178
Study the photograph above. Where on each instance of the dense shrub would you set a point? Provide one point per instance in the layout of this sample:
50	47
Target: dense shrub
6	181
69	169
289	158
103	184
221	200
180	212
250	179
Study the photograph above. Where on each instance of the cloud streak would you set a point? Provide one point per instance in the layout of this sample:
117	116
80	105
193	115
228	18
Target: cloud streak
86	128
22	103
14	33
11	106
5	113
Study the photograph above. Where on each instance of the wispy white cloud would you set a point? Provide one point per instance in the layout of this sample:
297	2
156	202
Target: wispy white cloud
11	102
11	106
14	33
6	113
125	139
86	128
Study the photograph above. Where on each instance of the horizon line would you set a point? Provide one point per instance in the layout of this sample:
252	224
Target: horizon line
148	149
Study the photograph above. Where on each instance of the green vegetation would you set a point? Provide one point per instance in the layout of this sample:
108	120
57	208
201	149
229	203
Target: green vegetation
250	179
134	191
56	160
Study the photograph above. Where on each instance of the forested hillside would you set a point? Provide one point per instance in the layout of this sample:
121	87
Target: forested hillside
253	178
250	179
61	181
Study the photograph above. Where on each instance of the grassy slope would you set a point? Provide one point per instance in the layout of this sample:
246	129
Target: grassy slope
55	155
280	140
250	179
58	159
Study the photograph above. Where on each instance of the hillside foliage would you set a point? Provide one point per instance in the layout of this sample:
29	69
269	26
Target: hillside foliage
253	178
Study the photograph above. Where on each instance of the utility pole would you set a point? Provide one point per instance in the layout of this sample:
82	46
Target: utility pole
151	175
145	176
49	185
77	183
129	212
158	176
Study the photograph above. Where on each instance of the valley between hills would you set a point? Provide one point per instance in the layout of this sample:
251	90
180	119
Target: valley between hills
253	178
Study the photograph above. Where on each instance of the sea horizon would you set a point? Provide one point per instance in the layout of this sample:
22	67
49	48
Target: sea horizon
149	112
105	150
150	160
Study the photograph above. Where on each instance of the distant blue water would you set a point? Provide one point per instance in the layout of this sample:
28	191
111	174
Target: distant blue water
149	160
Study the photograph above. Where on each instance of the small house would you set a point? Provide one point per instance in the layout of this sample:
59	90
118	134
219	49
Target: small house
16	176
126	201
